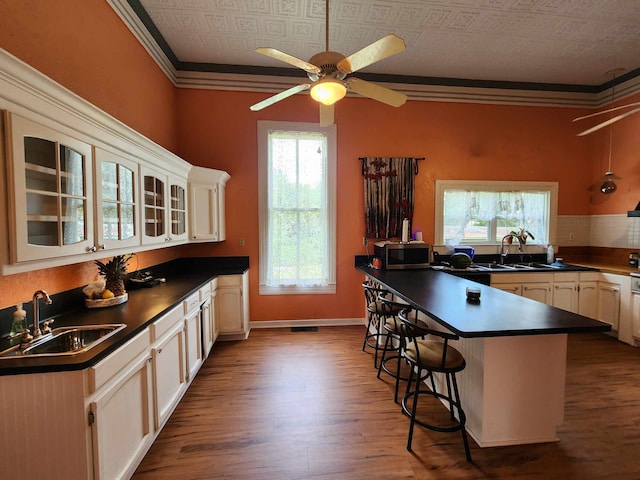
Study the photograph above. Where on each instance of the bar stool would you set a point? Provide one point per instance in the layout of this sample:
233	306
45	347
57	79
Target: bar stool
394	342
432	356
372	291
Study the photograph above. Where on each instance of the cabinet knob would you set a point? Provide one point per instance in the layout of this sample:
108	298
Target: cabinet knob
101	246
91	249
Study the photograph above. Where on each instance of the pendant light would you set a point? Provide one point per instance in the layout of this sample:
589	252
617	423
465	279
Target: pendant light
608	185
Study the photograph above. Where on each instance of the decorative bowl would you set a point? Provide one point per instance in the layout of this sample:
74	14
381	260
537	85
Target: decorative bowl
105	302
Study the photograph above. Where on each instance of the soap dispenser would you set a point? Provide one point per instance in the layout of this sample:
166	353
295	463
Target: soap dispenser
19	320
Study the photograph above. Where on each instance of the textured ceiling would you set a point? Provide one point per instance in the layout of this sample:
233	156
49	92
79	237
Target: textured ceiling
542	41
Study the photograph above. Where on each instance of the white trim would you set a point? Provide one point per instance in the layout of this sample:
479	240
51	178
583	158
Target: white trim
495	185
320	322
264	126
274	84
139	30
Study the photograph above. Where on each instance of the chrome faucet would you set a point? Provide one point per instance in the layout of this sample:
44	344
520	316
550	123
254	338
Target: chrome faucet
36	311
503	254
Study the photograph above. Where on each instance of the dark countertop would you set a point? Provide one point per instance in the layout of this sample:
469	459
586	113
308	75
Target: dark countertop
443	298
143	307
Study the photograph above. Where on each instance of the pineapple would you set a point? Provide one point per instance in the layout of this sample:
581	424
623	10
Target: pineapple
114	273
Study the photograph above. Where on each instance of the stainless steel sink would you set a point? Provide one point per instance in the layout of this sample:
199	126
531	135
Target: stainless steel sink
65	341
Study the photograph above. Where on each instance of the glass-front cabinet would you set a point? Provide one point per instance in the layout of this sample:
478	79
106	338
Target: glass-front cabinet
117	215
51	177
178	211
165	212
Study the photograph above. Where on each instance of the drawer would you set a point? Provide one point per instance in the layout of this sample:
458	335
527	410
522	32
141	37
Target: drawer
205	292
102	371
229	281
164	324
191	303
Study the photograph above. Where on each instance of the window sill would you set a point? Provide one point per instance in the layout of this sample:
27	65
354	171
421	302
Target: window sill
297	290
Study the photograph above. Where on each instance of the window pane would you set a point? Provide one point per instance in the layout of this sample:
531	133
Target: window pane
297	210
485	216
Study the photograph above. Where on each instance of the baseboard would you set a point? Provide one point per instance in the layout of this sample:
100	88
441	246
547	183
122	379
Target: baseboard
320	322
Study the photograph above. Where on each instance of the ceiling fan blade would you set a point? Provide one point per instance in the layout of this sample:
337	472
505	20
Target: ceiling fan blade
291	60
607	111
279	96
376	92
608	122
326	115
383	48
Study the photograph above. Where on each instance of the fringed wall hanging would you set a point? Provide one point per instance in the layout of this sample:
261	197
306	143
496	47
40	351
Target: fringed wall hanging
388	194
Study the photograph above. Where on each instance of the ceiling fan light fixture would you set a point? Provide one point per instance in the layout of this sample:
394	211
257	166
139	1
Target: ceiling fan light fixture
328	91
608	186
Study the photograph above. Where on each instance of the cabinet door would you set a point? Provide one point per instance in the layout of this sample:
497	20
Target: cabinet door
155	227
540	292
120	426
635	314
177	209
117	205
193	327
609	304
565	296
215	317
588	299
229	301
50	177
169	374
208	331
514	288
204	215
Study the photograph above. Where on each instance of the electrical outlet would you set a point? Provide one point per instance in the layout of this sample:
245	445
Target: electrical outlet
242	242
572	236
365	241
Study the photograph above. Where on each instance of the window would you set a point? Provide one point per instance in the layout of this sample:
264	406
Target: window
297	168
482	213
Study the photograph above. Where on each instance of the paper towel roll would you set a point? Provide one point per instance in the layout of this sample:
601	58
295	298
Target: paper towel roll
405	230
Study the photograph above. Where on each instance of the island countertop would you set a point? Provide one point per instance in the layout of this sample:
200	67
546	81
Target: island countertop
443	298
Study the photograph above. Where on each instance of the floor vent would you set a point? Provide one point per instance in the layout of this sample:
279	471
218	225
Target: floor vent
304	329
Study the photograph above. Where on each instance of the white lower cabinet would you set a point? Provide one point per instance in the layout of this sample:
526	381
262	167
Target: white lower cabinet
536	286
169	373
120	417
635	315
566	291
609	303
588	299
193	329
233	306
109	414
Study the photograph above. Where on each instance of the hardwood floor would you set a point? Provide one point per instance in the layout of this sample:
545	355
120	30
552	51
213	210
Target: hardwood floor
307	405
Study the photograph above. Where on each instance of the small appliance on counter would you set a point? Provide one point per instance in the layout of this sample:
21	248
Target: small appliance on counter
402	255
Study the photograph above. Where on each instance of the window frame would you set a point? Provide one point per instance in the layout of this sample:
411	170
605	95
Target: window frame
495	186
264	127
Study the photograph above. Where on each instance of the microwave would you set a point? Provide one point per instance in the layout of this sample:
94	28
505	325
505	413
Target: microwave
402	255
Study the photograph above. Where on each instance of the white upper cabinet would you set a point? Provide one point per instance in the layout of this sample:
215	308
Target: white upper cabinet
207	205
177	209
165	207
50	183
117	201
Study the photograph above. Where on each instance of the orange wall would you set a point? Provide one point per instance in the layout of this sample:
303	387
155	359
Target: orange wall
460	141
84	46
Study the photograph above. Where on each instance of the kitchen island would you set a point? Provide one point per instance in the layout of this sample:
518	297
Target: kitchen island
512	388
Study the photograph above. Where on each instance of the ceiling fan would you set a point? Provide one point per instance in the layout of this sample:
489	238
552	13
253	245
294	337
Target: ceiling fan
613	119
328	74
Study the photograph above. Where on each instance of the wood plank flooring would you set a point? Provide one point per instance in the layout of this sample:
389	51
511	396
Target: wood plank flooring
308	405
